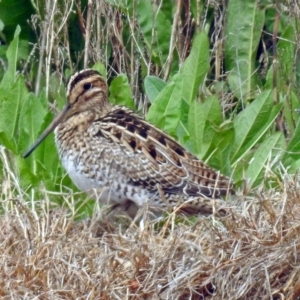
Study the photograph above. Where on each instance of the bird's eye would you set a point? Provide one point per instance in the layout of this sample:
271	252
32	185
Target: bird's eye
87	86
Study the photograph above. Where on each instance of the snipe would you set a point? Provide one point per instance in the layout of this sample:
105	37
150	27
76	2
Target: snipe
113	150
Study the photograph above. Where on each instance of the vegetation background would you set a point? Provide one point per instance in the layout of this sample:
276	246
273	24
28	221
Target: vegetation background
222	77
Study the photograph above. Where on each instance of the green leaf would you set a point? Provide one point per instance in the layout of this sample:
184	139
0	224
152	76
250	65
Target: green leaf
100	67
265	152
12	57
25	173
8	143
183	136
153	86
285	50
291	154
195	67
32	119
155	26
13	13
43	162
168	109
218	153
165	112
11	102
291	115
245	21
202	119
120	93
252	123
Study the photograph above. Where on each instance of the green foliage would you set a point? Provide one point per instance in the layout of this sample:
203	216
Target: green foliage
14	13
264	157
168	109
243	31
23	118
153	86
155	26
224	144
217	90
252	123
120	92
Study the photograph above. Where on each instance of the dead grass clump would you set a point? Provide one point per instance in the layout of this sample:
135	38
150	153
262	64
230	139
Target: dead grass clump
251	254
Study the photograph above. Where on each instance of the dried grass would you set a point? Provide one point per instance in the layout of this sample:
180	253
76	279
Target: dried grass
250	254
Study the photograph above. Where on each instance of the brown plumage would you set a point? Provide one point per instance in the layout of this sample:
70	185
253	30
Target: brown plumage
124	158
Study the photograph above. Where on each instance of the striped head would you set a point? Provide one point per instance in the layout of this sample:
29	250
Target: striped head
86	90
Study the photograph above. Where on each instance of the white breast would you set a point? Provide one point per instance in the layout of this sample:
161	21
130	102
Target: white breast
80	180
106	191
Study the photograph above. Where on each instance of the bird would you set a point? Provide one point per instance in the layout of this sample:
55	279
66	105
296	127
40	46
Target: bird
124	159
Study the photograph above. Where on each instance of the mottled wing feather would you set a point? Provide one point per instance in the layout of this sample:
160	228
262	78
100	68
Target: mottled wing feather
158	159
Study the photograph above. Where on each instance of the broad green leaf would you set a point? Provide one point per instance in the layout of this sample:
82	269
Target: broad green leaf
293	166
183	136
120	93
265	152
100	67
153	86
285	51
12	57
8	143
252	123
196	125
218	152
168	108
195	67
245	21
202	119
46	160
165	112
32	120
11	102
239	169
43	162
25	174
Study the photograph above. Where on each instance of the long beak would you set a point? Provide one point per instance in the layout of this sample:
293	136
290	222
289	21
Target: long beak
47	131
